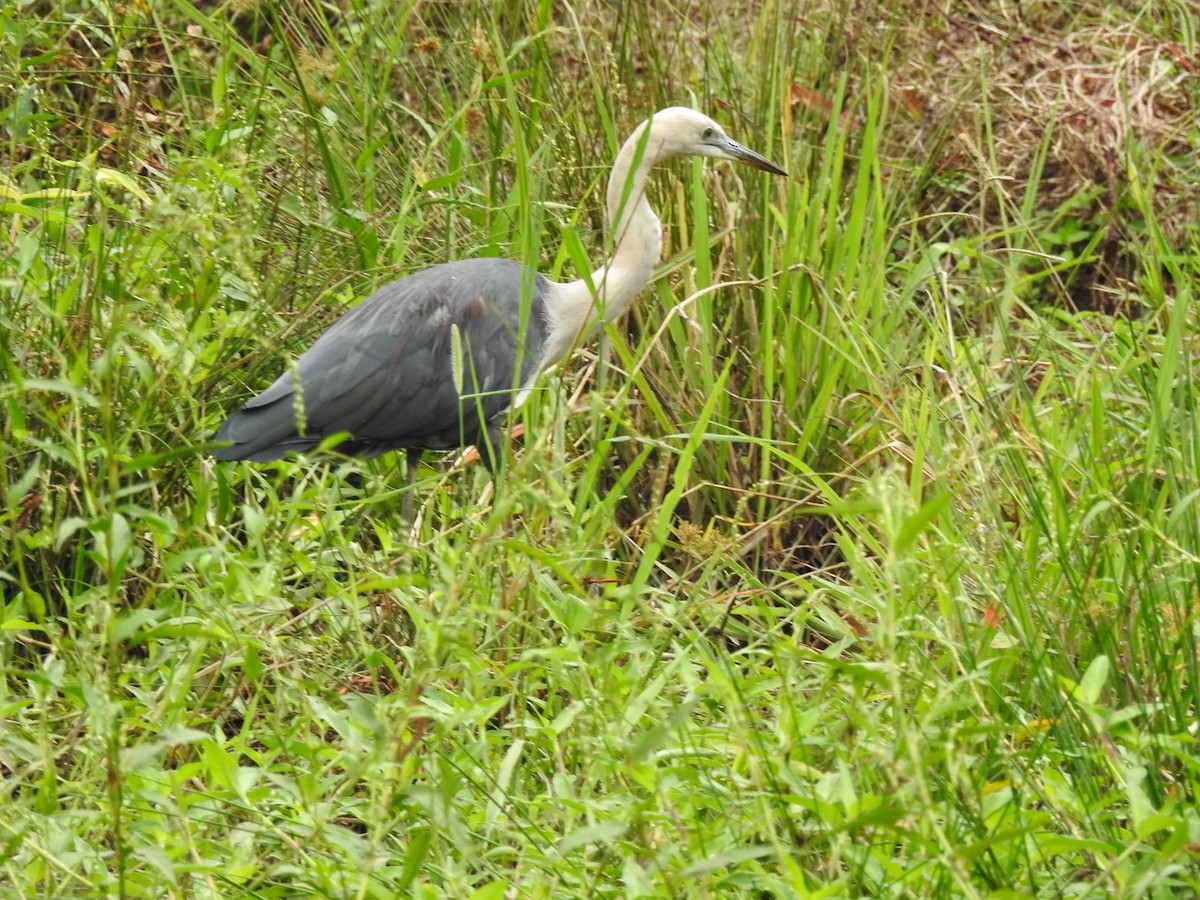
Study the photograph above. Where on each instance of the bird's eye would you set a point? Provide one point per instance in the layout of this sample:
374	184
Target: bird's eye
709	133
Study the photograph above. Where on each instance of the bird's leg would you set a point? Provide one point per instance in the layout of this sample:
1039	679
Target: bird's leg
411	467
491	452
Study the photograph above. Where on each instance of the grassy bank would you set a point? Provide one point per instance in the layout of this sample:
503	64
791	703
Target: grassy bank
860	560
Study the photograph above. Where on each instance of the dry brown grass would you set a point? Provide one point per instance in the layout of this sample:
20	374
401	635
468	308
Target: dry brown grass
1098	117
1081	123
1101	90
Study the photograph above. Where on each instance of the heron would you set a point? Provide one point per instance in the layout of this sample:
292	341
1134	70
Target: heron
436	360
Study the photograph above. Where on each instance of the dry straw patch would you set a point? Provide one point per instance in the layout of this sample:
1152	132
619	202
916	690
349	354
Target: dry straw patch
1099	89
1119	104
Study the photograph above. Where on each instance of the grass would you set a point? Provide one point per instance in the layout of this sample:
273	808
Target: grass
861	560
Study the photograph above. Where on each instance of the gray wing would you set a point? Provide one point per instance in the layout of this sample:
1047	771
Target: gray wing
384	372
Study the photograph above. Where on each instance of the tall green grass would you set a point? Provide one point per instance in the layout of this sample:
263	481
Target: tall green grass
848	565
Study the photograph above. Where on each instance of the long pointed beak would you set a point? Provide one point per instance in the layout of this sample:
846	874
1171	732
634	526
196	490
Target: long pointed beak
749	157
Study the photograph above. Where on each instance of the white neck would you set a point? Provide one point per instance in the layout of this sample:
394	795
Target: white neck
575	309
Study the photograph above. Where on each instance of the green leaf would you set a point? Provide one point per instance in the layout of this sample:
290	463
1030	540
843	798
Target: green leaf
602	832
725	859
456	358
915	524
1092	683
123	181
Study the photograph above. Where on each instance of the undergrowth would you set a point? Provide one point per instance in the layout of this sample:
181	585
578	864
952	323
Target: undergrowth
860	560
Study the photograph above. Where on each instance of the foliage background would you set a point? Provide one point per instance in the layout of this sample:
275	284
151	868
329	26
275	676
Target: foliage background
860	560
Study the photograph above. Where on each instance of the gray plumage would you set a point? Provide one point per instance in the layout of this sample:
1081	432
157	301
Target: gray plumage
384	372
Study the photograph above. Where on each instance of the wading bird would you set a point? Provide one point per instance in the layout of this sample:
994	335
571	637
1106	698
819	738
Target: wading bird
435	360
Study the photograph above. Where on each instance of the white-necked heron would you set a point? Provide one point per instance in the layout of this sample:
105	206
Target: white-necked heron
435	360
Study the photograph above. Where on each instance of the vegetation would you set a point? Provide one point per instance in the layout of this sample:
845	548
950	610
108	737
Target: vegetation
863	559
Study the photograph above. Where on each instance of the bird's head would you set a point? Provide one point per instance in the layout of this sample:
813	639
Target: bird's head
679	131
